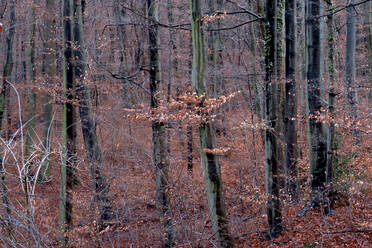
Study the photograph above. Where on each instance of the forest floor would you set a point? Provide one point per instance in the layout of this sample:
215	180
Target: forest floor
128	164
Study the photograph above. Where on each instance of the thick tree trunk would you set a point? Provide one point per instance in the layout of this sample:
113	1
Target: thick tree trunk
274	216
317	131
88	124
207	138
290	129
158	129
48	71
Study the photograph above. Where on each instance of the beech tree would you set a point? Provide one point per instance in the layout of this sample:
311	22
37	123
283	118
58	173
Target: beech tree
317	133
274	216
209	160
4	110
88	123
48	71
290	129
68	178
158	128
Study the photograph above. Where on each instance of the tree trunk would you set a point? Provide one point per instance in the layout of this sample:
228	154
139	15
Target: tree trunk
351	94
317	132
8	67
68	178
212	170
290	129
280	87
368	21
88	124
331	98
48	71
31	104
158	129
274	216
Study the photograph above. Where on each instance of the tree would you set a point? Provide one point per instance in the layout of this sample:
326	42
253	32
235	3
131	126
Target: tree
317	134
88	124
274	216
68	178
31	103
48	71
351	94
331	97
290	129
4	109
209	160
158	128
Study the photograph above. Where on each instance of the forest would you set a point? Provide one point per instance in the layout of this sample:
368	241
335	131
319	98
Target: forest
170	123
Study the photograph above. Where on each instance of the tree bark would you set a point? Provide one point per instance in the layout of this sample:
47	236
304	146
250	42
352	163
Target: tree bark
4	106
212	170
317	135
88	124
351	93
290	129
31	104
158	129
331	97
274	216
48	71
68	178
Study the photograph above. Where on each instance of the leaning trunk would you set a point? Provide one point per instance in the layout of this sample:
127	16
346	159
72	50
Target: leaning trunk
207	138
88	125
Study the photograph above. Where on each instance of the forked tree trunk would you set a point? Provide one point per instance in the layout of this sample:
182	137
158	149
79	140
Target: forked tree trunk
158	129
88	124
274	216
209	160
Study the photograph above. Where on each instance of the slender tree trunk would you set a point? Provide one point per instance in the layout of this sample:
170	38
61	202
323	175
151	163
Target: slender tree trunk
368	21
189	126
119	13
209	160
158	129
317	131
331	98
88	124
31	104
280	87
68	178
8	67
351	93
48	71
290	129
274	216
